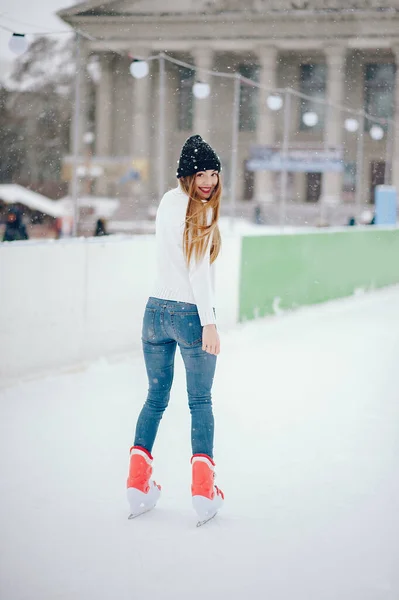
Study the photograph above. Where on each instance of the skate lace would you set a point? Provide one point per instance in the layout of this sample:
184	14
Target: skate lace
219	492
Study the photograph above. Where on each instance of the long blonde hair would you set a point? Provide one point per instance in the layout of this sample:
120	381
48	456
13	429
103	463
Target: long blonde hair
197	232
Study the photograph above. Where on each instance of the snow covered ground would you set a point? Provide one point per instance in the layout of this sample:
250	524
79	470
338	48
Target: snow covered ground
307	453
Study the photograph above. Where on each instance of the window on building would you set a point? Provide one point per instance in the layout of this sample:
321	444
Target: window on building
185	104
349	177
313	84
377	168
248	98
313	187
379	83
249	183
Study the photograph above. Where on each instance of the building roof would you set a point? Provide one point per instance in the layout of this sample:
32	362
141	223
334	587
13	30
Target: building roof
139	23
216	6
83	7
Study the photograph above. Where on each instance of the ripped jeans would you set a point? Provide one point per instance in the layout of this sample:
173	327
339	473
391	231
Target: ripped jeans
168	323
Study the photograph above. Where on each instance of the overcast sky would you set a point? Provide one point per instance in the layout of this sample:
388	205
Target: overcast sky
19	14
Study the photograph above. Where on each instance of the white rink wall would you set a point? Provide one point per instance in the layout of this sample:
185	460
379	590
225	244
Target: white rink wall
66	302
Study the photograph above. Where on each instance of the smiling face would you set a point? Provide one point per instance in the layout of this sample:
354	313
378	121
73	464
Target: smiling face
206	181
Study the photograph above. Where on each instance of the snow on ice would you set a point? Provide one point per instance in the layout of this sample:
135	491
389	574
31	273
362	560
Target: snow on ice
307	414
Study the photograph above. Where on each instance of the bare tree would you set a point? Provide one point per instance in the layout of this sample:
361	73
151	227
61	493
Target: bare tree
37	115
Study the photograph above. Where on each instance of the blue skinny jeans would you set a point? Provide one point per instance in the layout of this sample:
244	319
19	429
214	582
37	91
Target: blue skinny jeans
167	323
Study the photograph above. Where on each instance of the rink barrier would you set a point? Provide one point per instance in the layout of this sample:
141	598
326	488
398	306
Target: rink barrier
65	303
282	272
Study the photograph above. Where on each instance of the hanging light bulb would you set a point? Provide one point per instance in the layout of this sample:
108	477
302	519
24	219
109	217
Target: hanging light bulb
18	43
274	102
351	125
88	138
310	119
96	171
376	132
139	69
81	171
201	90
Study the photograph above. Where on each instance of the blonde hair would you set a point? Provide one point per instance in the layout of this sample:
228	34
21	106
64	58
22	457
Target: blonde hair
197	231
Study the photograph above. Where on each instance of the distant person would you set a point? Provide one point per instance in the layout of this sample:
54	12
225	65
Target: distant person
351	222
100	228
58	228
258	217
15	229
180	312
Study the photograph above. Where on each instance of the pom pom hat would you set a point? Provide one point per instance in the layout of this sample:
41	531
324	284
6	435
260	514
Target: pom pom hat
196	156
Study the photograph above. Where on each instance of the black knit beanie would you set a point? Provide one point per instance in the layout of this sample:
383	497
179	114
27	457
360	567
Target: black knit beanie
196	156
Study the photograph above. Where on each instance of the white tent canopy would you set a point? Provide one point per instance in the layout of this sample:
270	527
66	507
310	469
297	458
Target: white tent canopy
12	193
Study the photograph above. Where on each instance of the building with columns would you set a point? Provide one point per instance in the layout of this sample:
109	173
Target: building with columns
320	48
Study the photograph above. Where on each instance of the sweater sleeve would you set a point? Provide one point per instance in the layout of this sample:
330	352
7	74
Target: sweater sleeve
201	285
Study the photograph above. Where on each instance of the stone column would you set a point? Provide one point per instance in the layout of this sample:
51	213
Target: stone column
83	120
141	89
203	58
140	133
103	117
104	107
395	134
265	133
335	61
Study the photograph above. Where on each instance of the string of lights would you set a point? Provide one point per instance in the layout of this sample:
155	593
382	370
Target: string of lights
277	99
139	68
34	33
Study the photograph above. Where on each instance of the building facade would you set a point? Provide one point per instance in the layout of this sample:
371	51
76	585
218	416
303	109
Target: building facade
319	48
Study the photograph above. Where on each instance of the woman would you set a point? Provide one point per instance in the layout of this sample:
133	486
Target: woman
181	312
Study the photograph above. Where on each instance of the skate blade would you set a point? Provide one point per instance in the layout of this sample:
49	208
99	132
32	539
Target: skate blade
142	512
201	523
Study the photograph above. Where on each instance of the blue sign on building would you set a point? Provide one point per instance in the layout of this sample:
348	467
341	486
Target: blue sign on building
296	160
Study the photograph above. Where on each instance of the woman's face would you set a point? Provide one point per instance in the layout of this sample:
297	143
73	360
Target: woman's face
206	181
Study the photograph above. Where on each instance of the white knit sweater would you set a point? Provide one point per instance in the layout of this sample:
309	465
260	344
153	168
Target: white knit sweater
175	280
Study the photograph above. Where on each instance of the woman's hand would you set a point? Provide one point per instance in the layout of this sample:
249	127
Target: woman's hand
210	339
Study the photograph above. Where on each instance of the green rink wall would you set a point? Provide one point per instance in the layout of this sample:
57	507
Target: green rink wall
291	270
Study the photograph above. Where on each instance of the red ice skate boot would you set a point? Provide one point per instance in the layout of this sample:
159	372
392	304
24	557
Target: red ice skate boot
207	497
142	492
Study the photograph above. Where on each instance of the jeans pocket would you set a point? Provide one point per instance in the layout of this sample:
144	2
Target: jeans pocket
148	331
187	328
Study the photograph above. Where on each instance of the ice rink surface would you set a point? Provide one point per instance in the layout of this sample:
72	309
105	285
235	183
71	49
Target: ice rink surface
307	446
